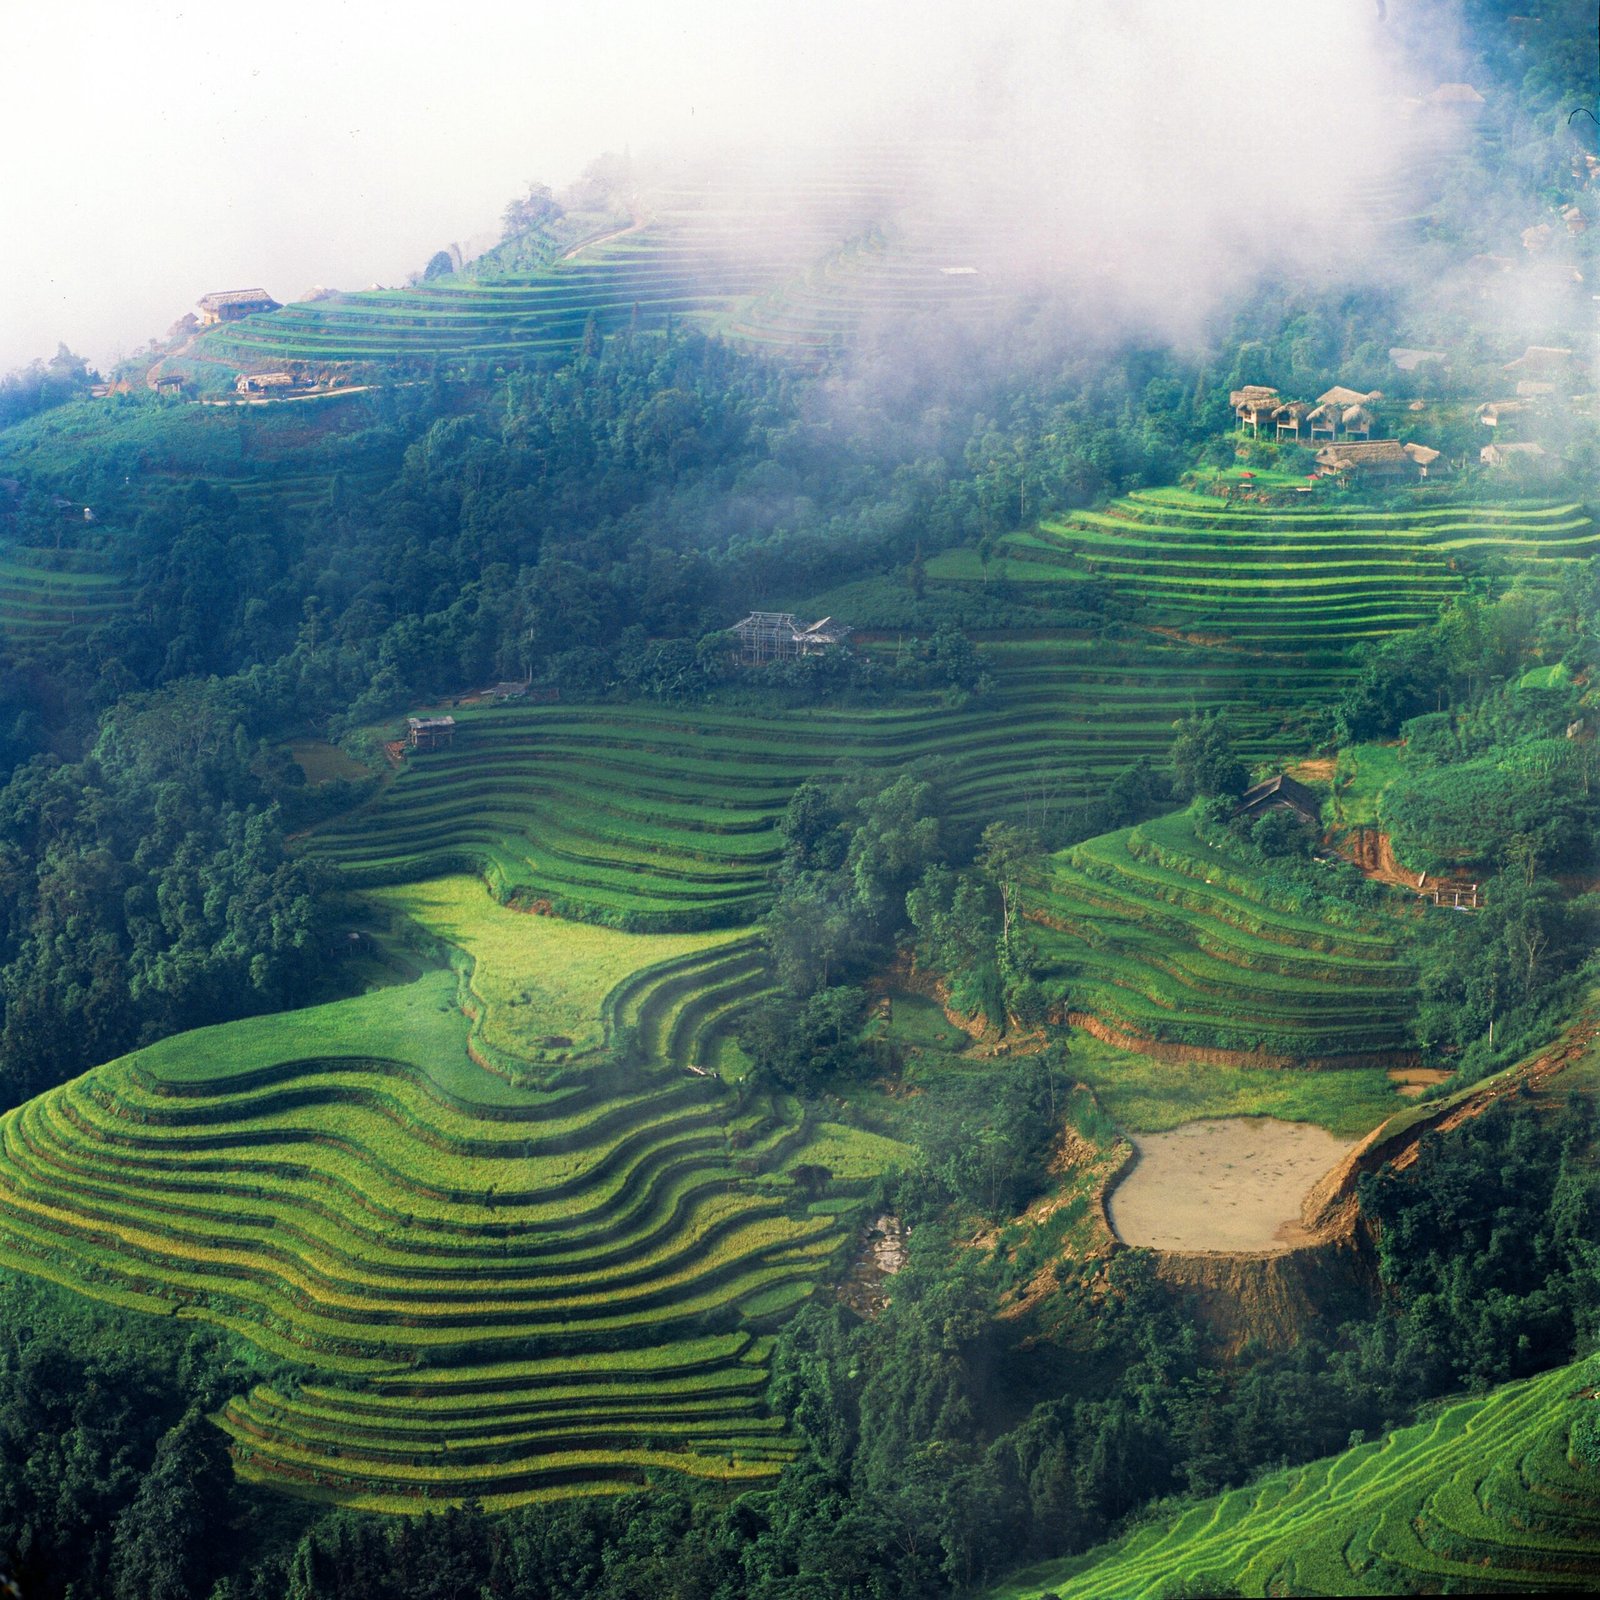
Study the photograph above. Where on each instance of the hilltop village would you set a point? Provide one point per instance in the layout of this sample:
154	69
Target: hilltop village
749	900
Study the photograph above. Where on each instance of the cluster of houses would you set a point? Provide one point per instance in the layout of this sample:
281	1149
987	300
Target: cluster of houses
1343	421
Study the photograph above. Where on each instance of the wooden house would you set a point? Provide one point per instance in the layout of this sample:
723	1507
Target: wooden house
228	305
430	733
1373	460
261	382
1533	460
1290	418
1408	359
1253	404
1542	363
1358	422
1281	793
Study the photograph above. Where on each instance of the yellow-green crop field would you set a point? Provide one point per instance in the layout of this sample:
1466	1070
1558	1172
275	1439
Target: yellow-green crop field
504	1271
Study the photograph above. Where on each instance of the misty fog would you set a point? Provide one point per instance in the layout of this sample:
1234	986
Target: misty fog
153	156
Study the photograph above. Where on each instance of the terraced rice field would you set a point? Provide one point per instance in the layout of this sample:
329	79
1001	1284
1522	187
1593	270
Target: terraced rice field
667	818
1483	1498
1293	580
699	249
506	1276
1157	936
45	594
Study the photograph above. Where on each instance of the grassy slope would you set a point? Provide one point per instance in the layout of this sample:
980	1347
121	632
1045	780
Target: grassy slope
537	978
1480	1498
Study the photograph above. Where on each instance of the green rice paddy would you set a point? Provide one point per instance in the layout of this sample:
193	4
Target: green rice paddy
47	594
505	1275
1292	580
660	818
1484	1497
1161	937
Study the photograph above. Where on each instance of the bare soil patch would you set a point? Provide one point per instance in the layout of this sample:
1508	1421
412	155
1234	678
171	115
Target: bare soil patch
1411	1081
1232	1184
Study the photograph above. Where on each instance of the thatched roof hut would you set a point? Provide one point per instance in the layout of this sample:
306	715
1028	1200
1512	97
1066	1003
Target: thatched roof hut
1542	361
227	304
1340	396
1408	359
1290	417
1374	458
1253	404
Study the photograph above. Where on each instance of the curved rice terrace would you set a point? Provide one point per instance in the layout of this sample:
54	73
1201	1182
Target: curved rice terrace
512	1262
1486	1497
699	253
668	818
47	593
1322	578
1160	938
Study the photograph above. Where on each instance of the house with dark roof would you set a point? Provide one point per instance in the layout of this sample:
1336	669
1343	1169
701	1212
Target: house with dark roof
1281	793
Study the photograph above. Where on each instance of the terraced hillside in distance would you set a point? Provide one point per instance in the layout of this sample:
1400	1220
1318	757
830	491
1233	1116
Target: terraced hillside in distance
923	267
1162	939
698	244
1488	1496
1319	578
667	818
45	594
515	1255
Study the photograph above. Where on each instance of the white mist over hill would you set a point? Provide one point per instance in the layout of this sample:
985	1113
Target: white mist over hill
151	154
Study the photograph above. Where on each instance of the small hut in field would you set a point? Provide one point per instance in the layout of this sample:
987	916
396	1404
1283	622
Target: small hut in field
228	305
430	733
1290	418
1252	405
1375	461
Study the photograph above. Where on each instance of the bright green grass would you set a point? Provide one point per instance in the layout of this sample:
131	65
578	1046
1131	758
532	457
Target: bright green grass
920	1023
1551	677
853	1154
1361	775
322	762
1149	1096
1479	1499
418	1023
539	978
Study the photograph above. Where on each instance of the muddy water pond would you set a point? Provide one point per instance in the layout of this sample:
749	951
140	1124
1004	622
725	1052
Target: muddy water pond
1231	1183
